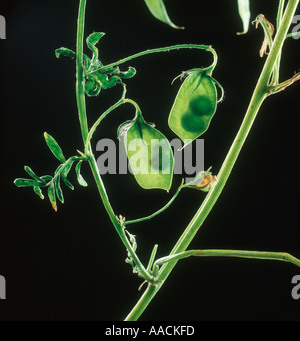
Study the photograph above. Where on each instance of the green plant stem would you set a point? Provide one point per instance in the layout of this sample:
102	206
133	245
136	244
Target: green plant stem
157	212
152	257
260	93
166	49
294	34
100	119
80	83
141	269
278	22
276	256
280	13
123	100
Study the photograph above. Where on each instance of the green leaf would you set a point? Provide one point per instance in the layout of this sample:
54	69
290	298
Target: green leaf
58	190
158	10
245	14
92	87
29	171
38	191
87	61
149	153
65	172
51	195
127	74
47	178
91	41
65	52
54	147
105	81
80	179
26	183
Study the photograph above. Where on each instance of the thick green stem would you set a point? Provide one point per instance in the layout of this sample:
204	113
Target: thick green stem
258	97
80	84
278	22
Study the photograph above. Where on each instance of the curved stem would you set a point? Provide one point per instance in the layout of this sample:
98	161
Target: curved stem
96	124
157	212
166	49
260	93
104	115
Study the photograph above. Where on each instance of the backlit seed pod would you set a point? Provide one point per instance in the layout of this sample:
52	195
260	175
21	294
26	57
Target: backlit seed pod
194	106
149	153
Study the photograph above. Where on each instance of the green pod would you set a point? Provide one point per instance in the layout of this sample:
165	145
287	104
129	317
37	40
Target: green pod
149	153
194	106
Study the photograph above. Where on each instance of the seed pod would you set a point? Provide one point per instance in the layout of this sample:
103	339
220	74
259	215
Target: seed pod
149	153
194	106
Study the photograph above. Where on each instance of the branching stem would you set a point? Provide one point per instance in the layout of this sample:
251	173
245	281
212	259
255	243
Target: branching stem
260	93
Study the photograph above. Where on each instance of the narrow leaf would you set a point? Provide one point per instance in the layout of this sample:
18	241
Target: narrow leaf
64	174
58	190
51	195
65	52
80	179
158	10
54	147
29	171
38	191
26	183
245	14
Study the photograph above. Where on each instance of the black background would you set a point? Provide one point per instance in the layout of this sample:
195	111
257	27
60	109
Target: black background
70	265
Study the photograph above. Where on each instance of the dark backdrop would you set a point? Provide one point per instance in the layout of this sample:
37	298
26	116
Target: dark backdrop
70	265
